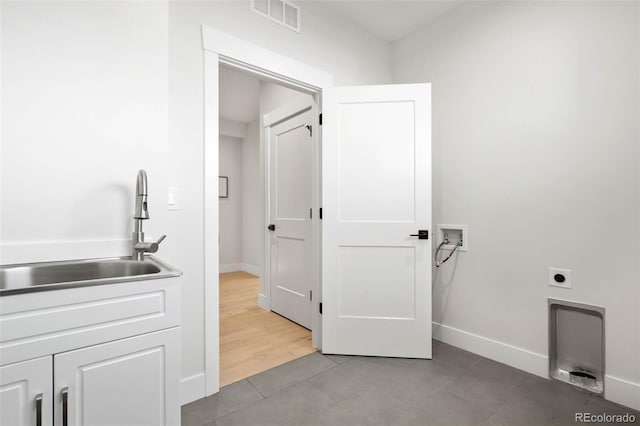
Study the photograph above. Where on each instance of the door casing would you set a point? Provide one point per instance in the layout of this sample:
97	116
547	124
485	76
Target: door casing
222	48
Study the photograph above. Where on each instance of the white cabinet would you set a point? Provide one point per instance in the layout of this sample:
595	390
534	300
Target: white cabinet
127	382
107	355
26	393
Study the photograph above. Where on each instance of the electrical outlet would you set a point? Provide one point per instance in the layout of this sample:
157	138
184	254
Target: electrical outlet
559	277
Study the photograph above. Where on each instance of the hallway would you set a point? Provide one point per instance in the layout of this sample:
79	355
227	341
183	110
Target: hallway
252	339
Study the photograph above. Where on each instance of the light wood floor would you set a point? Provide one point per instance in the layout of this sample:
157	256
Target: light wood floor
252	339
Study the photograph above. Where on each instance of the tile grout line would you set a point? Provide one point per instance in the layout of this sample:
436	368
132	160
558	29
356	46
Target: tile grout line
506	400
248	379
318	389
296	383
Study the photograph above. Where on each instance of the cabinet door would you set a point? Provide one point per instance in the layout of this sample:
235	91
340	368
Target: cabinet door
26	393
131	381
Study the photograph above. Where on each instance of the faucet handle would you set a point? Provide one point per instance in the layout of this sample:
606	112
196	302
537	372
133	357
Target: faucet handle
153	247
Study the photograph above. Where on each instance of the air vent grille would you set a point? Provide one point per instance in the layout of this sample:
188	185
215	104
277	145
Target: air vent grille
280	11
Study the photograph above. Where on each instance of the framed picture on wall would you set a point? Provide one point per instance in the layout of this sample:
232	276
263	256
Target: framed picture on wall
223	187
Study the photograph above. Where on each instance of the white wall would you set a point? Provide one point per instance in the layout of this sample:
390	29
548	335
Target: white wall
230	219
327	42
84	106
535	143
273	95
86	101
238	95
253	202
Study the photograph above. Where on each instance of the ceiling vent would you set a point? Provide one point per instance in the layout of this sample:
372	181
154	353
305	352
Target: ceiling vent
280	11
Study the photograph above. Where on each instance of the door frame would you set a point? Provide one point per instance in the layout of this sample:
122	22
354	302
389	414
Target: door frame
281	113
222	48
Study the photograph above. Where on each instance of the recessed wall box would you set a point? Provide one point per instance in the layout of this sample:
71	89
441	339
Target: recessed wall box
455	234
576	344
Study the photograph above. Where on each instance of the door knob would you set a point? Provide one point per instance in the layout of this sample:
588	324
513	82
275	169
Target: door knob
271	227
422	234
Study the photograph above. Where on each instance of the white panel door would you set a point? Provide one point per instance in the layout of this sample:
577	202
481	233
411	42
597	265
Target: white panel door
290	192
26	392
126	382
376	277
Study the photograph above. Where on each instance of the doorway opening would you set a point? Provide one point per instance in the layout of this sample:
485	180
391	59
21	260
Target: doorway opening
265	224
361	243
222	48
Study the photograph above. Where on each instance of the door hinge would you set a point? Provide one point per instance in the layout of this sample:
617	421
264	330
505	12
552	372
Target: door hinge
310	295
320	213
320	307
311	213
320	119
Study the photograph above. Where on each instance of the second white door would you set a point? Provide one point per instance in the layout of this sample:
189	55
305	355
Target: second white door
290	150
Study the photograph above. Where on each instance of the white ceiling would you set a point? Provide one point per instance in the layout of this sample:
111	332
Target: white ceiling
239	95
391	20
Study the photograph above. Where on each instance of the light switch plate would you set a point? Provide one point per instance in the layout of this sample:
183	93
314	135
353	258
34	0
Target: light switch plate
173	197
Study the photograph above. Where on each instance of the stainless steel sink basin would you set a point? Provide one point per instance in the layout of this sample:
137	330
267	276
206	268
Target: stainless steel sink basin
29	277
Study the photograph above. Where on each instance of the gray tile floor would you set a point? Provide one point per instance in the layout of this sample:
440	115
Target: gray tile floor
455	388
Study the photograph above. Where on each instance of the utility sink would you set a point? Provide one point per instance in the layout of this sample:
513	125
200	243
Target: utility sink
30	277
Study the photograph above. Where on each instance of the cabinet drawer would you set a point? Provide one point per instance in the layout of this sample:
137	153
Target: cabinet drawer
41	323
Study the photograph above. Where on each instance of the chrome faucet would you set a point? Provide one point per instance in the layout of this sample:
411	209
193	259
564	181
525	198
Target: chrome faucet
139	247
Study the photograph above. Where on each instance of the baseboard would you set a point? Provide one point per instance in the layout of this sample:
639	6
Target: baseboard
45	251
230	267
617	390
622	391
513	356
192	388
262	301
252	269
234	267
